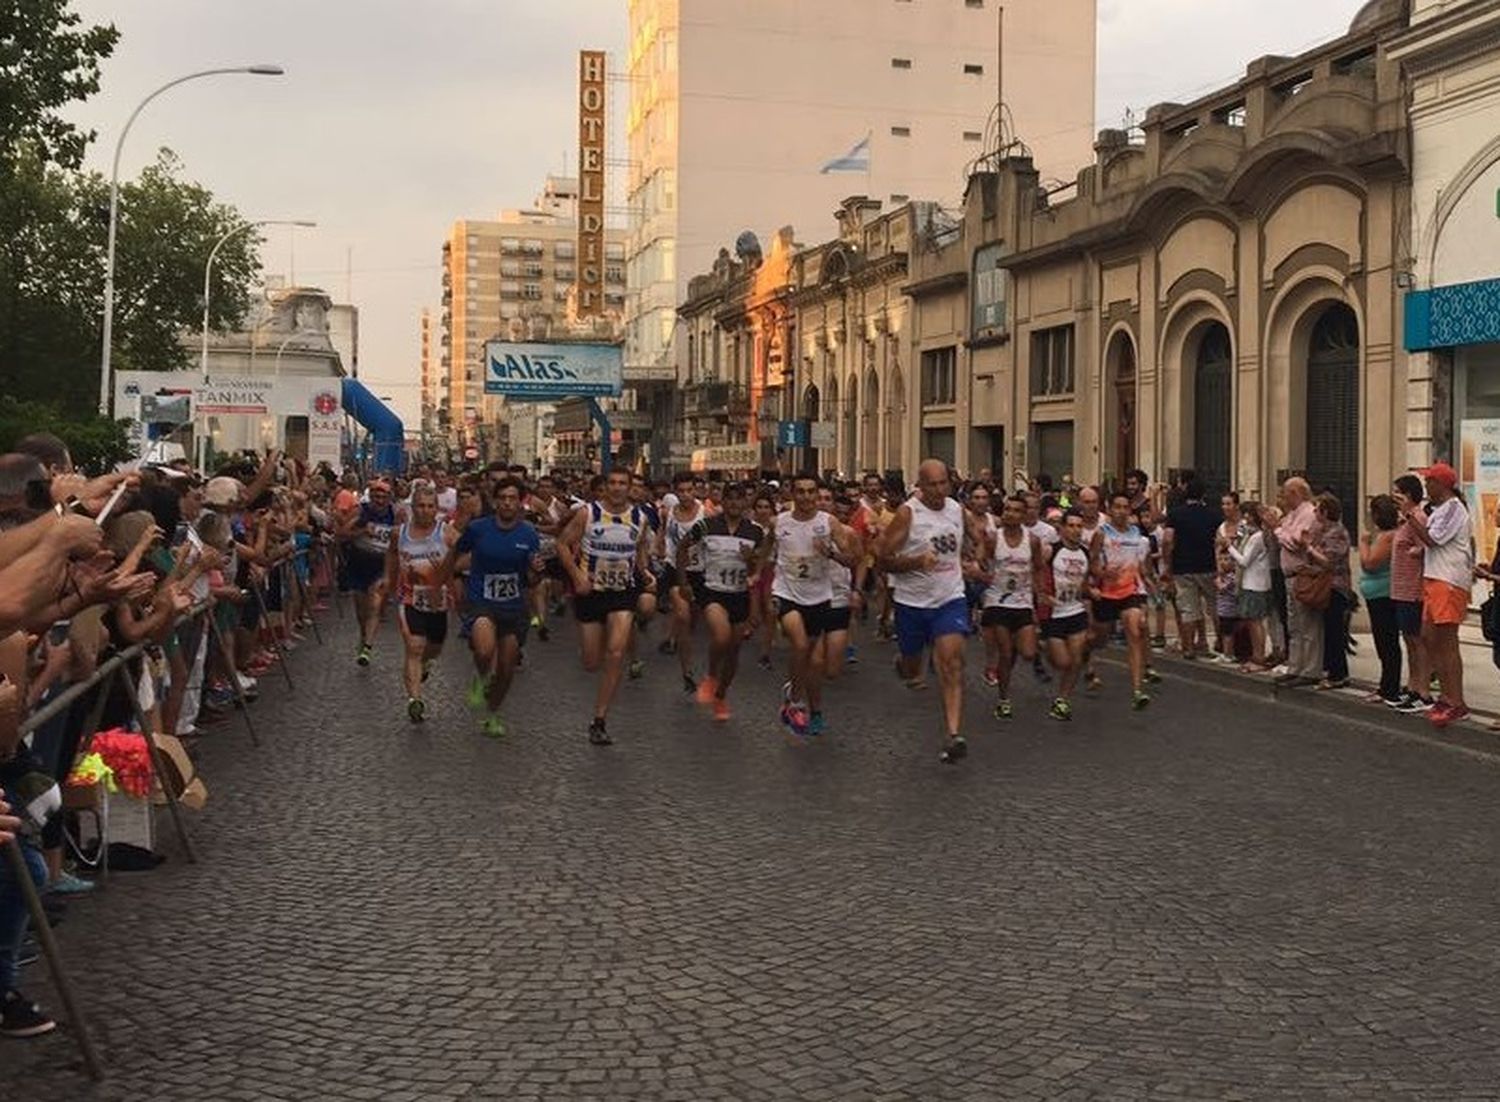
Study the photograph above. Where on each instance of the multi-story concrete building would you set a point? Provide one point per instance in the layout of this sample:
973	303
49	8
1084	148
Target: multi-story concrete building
1451	56
736	109
510	277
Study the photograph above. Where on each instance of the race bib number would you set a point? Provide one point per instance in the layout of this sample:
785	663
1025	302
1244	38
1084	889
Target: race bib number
945	544
502	587
429	598
732	578
380	533
612	574
804	567
695	558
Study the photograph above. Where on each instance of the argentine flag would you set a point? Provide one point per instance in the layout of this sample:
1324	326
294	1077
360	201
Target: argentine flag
856	160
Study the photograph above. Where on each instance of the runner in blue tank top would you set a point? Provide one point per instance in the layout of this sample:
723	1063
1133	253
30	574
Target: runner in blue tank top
504	561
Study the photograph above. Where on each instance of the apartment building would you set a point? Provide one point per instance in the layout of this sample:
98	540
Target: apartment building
737	110
509	277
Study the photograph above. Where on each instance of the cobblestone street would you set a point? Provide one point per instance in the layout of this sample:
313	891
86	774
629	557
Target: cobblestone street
1216	898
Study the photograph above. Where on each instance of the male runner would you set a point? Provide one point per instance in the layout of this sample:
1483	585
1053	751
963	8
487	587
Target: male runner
547	513
366	534
729	542
684	578
606	548
1015	577
416	551
847	589
922	551
504	558
1066	626
801	544
1120	559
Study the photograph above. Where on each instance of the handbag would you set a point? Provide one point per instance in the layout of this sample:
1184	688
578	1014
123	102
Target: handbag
1313	589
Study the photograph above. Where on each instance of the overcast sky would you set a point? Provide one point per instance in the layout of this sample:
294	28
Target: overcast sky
396	117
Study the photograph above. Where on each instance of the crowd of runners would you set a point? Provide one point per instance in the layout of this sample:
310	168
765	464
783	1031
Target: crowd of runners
713	566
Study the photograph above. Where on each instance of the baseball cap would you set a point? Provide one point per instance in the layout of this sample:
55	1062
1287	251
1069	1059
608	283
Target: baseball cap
1442	474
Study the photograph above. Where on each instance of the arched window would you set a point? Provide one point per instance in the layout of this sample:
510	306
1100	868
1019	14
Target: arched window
1333	408
1212	408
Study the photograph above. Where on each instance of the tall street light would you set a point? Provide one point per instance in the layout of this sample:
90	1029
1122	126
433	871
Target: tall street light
105	397
208	270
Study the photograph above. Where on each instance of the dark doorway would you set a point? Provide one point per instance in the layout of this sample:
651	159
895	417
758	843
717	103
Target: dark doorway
1212	409
1333	409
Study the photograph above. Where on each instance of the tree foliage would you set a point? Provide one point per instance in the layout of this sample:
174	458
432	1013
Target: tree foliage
47	61
54	222
96	442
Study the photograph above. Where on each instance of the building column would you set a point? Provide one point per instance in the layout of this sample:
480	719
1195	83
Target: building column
1250	469
1148	413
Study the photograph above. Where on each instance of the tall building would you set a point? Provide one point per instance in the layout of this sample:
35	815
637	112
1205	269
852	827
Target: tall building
432	425
736	110
507	278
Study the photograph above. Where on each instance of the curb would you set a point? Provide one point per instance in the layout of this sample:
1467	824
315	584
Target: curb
1470	737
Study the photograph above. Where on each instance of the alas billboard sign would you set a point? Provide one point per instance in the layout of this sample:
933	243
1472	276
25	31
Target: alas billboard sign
544	372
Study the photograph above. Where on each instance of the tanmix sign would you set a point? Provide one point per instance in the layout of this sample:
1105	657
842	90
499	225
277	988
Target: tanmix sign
591	127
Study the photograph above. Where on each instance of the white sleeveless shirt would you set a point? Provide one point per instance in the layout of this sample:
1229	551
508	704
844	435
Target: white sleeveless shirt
1010	586
419	558
802	575
940	531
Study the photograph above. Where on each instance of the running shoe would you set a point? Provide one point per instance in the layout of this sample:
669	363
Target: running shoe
1158	642
794	718
68	884
1094	681
1042	676
536	622
21	1018
1003	710
816	724
1444	713
786	692
764	662
667	646
851	654
476	693
991	676
955	751
426	669
1139	700
598	736
1061	710
362	656
416	711
689	685
494	727
637	668
708	689
1152	677
721	710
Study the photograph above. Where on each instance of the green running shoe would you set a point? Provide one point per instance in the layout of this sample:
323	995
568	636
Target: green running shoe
494	727
1003	710
416	711
1139	700
1061	710
476	692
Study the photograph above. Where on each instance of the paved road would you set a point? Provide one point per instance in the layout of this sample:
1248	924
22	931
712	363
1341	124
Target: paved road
1212	899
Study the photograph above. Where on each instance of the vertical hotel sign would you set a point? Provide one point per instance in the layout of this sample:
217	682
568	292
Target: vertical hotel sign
590	183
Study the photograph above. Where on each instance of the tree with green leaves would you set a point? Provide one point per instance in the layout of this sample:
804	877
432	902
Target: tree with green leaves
54	220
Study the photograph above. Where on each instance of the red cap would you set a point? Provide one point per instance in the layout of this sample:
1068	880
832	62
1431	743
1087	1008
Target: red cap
1441	473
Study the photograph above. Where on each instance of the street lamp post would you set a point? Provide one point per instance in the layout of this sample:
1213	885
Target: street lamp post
105	397
208	270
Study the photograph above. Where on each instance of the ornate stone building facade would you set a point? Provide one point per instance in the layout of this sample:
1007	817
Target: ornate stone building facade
1220	294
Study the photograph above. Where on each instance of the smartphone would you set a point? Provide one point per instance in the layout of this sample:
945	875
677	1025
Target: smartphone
109	505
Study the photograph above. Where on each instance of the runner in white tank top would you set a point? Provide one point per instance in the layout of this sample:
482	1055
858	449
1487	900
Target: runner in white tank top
1065	622
1009	618
683	570
800	546
922	550
413	560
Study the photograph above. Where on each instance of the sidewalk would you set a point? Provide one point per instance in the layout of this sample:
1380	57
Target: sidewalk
1481	678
